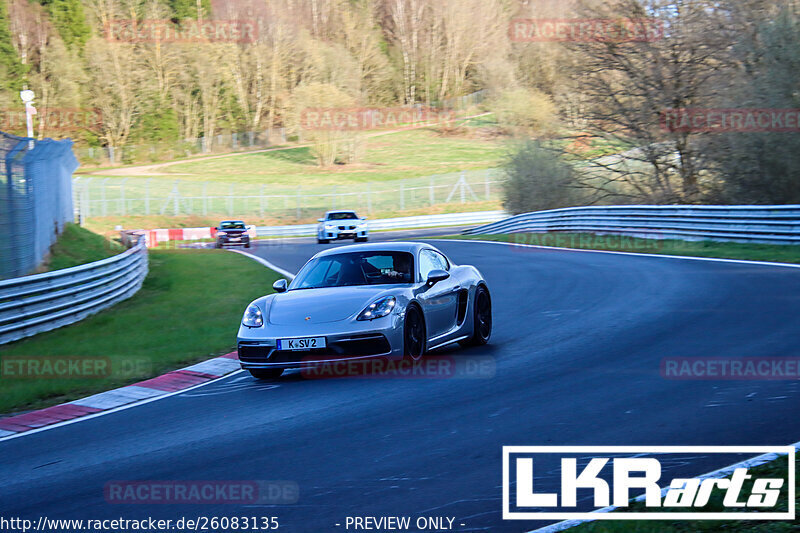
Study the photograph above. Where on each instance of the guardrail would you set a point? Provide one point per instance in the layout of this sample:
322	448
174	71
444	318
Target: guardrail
42	302
423	221
776	224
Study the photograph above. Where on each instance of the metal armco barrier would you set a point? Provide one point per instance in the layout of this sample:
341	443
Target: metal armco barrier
33	304
776	224
450	219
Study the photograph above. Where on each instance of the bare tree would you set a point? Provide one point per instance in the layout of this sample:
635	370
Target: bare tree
630	84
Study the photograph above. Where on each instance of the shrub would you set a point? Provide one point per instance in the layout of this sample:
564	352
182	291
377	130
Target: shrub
538	178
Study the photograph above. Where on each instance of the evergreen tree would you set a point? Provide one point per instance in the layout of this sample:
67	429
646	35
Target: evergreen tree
70	21
12	71
187	9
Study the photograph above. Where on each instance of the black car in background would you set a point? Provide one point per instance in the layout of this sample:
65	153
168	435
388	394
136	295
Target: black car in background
232	233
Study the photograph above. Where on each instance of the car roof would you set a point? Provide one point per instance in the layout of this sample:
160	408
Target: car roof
340	211
412	247
234	221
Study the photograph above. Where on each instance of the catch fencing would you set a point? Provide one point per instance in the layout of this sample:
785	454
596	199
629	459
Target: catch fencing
103	197
776	224
423	221
42	302
35	199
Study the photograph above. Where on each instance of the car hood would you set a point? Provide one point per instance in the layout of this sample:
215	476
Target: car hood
318	306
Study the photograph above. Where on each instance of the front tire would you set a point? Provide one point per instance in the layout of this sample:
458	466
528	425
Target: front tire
360	239
482	318
322	241
265	373
414	338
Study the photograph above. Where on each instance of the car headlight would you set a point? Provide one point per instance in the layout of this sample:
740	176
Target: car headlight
253	318
378	309
330	226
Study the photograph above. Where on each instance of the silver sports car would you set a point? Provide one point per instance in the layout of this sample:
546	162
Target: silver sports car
395	300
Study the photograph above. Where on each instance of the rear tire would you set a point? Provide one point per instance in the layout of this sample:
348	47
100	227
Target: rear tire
217	245
266	373
482	318
414	338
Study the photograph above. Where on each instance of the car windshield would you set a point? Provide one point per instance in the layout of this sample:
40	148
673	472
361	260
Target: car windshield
356	268
231	225
342	216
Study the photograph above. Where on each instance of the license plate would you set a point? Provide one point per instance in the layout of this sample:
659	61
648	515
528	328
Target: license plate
301	344
235	239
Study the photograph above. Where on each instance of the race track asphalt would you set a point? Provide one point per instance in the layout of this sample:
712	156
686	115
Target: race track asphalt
577	346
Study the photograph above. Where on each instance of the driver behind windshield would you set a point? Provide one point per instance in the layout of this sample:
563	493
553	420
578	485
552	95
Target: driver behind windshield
342	270
402	269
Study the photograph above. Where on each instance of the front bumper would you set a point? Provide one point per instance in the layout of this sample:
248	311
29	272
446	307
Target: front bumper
257	347
344	232
234	241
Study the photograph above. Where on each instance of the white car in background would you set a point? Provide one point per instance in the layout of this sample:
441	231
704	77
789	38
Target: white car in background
338	225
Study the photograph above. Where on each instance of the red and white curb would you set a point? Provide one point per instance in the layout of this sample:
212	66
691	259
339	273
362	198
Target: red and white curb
154	237
143	391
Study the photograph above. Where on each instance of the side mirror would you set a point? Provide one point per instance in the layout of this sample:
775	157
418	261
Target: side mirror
320	220
435	276
216	228
280	285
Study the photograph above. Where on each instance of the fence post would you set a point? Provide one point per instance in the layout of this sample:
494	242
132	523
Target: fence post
230	200
463	187
85	207
298	202
261	202
147	196
175	203
488	186
369	198
205	198
402	195
431	192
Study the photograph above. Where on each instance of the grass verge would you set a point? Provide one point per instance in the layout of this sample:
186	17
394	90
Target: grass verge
775	469
187	311
405	154
78	246
782	253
